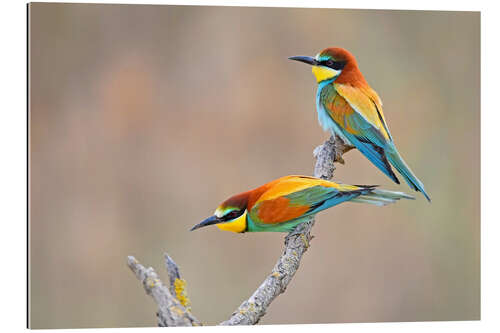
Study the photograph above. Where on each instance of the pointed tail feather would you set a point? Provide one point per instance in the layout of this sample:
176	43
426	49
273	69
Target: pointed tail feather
381	197
375	154
399	164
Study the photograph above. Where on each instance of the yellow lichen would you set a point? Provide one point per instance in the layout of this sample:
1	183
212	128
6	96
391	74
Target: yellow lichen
251	307
150	283
176	309
181	294
304	240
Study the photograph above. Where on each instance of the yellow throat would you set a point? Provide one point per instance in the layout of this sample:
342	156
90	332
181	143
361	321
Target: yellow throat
324	73
236	225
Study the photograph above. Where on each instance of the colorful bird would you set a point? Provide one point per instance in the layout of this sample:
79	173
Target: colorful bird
348	107
282	204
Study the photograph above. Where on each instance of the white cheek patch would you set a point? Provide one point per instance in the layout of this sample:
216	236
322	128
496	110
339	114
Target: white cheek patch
218	212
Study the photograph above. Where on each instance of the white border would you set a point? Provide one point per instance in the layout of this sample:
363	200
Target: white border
13	166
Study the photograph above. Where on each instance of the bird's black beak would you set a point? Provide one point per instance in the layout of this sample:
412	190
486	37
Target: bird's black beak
209	221
307	60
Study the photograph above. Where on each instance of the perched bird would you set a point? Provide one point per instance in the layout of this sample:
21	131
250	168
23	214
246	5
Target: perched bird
282	204
348	107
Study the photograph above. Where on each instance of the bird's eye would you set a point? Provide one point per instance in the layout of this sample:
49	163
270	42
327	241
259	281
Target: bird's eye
231	215
337	65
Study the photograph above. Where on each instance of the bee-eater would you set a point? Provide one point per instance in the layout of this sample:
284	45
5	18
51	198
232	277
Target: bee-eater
282	204
349	107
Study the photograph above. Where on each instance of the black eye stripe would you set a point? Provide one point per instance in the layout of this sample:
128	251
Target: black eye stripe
337	65
231	215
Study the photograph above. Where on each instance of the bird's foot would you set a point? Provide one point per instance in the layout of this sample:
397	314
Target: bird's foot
339	159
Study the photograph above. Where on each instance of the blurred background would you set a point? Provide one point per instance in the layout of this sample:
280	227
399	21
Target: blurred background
144	118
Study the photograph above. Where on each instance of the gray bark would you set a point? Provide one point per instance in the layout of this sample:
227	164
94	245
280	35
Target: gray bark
172	313
170	310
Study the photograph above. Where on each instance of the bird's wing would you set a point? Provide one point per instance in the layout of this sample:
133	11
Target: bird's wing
358	114
299	196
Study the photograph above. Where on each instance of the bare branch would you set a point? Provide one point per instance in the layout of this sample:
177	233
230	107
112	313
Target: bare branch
172	301
173	272
329	152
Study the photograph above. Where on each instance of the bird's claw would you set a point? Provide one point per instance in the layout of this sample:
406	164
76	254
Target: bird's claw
339	159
